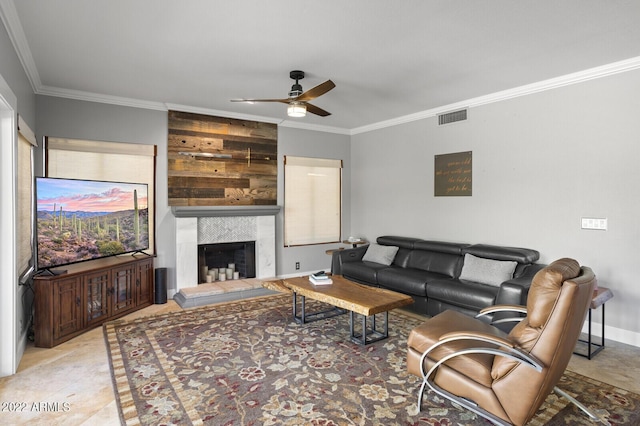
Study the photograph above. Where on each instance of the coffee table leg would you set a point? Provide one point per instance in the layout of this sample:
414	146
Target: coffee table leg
302	317
386	324
351	321
364	329
371	335
295	305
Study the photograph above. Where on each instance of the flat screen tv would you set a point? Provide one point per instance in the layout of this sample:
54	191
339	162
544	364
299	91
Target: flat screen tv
79	220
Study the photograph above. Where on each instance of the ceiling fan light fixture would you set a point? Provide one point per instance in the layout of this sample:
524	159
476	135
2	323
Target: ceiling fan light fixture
296	109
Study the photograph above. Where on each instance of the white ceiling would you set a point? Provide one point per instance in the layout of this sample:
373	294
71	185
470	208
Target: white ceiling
388	59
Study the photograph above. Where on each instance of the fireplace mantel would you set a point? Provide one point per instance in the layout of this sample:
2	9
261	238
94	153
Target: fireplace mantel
220	211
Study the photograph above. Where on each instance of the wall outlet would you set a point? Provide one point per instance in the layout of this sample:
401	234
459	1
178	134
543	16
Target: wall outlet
297	266
594	223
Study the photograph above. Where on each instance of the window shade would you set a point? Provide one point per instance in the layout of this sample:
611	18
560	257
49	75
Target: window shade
312	206
24	219
110	161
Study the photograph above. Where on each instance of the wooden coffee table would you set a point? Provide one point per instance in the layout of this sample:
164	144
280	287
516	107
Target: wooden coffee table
347	296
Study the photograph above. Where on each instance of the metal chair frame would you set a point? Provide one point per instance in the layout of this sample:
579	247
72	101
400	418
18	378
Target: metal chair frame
505	349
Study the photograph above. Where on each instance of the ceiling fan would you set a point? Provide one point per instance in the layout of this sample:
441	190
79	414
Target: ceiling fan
298	101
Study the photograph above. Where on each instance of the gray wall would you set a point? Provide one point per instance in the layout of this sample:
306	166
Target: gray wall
65	118
305	143
540	163
15	77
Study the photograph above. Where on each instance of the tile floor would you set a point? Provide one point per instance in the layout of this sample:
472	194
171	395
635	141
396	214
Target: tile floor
71	383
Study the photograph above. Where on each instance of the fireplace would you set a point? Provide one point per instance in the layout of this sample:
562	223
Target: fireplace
202	225
242	255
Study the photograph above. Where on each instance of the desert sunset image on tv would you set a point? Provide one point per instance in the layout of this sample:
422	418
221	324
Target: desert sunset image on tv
80	220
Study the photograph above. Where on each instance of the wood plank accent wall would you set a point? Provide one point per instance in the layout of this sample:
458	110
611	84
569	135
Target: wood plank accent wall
241	169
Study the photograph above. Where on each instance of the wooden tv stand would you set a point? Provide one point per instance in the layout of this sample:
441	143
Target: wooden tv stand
89	294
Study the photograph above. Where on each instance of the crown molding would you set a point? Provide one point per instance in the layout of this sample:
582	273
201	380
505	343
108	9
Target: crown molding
81	95
315	127
10	19
220	113
280	122
541	86
9	16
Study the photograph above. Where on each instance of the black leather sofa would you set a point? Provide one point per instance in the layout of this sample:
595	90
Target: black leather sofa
430	271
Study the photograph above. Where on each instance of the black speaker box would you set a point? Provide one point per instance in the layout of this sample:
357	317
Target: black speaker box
161	286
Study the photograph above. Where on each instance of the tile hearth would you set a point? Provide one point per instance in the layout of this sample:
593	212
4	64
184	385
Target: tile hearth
221	291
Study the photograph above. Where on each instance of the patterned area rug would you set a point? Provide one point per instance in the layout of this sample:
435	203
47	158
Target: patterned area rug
249	363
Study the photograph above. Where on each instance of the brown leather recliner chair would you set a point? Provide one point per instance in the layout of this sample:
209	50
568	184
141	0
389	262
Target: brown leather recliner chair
505	378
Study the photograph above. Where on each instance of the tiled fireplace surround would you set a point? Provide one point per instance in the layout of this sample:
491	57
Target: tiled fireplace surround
191	231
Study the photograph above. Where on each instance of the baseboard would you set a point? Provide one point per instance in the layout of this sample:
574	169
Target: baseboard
613	333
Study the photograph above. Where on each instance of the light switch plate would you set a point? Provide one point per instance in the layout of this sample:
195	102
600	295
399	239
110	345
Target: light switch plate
597	223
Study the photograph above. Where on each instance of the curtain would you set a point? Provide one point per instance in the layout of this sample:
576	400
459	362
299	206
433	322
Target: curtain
313	202
24	197
109	161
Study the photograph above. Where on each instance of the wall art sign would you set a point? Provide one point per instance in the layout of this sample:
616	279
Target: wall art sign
453	177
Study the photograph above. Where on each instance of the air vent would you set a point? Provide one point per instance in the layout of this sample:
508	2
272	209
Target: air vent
452	117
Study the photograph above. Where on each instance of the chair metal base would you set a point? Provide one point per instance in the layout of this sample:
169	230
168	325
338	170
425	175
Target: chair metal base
576	403
473	407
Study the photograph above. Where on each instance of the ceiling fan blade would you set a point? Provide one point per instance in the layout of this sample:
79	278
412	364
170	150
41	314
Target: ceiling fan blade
317	111
319	90
285	101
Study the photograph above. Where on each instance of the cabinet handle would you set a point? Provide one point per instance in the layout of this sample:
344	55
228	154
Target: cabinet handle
78	301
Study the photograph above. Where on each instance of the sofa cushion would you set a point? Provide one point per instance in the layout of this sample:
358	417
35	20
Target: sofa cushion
380	254
366	272
406	280
402	258
487	271
432	261
467	295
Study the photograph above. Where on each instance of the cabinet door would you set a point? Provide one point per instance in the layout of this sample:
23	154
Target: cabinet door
96	287
144	284
67	307
123	290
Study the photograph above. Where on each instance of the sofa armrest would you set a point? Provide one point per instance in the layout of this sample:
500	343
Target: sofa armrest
339	257
516	290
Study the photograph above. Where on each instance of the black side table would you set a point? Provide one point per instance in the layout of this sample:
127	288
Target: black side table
354	243
600	296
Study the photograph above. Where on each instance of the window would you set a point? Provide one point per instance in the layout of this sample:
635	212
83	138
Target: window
312	200
111	161
24	218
